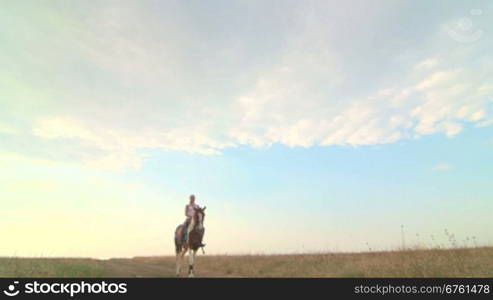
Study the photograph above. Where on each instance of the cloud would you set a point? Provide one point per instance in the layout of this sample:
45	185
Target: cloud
442	167
426	64
135	77
117	149
440	102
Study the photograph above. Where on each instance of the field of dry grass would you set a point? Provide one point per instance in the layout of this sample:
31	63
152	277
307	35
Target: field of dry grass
459	262
477	262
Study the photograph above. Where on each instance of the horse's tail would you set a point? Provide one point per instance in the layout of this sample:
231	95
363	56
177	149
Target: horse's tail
178	242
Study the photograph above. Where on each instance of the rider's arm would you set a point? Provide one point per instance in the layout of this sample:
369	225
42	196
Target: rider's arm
186	210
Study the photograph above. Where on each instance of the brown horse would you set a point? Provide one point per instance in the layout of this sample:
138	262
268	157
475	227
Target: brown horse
194	241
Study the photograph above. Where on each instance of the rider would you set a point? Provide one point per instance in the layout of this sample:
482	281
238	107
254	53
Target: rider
189	213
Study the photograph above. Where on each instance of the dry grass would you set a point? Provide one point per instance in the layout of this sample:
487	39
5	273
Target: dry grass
457	262
467	262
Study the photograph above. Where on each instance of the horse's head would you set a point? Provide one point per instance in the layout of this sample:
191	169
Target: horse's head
199	217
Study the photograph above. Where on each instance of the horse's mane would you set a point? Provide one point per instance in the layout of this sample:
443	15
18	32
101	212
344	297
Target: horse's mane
199	210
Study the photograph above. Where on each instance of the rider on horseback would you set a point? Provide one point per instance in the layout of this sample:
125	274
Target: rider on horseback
194	229
189	213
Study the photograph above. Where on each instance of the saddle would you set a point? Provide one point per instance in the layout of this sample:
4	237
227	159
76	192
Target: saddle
181	233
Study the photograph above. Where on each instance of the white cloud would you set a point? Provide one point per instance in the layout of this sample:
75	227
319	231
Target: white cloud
154	82
274	113
440	102
438	78
118	148
426	64
442	167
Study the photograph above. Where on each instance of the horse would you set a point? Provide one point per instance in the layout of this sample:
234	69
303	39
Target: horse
194	241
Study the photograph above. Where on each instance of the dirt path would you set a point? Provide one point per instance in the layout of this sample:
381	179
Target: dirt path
148	267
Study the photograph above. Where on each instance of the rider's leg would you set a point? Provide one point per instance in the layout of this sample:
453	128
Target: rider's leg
184	226
190	228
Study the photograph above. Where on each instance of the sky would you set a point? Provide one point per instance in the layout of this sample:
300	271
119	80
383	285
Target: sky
303	126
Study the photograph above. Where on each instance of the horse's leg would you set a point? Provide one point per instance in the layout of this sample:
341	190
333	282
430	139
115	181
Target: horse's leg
191	259
185	249
178	254
179	260
178	249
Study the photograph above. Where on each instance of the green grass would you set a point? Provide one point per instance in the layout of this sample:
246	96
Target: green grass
456	262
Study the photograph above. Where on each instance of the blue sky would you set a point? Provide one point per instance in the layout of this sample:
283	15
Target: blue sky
303	126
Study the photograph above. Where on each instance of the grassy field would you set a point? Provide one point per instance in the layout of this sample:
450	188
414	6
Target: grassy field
465	262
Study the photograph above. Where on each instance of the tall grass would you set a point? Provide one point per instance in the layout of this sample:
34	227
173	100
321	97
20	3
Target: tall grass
460	262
